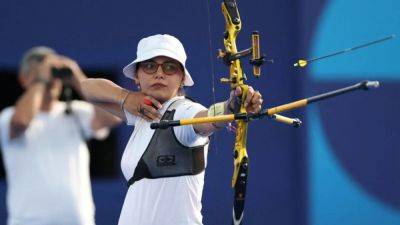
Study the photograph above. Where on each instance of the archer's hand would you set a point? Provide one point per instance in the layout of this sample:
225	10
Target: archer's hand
143	106
252	103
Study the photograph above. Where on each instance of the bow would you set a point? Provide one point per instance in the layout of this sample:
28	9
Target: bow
232	58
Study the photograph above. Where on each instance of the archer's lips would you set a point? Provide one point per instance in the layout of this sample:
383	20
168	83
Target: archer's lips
158	85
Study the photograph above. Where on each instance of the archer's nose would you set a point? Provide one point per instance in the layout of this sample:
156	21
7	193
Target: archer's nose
159	73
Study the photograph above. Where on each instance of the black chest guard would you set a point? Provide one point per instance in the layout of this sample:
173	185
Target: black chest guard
165	156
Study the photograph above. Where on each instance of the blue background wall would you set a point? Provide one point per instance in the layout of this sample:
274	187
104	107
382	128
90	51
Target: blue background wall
354	176
342	166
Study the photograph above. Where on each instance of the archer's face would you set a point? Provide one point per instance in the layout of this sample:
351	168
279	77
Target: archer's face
160	77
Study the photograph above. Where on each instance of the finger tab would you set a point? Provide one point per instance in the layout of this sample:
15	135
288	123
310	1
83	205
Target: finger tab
147	102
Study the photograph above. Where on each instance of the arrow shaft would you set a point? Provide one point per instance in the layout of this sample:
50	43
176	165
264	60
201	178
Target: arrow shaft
353	48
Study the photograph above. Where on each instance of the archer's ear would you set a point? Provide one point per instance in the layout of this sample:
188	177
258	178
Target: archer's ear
183	80
136	80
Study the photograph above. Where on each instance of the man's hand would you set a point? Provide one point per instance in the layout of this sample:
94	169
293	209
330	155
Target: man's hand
43	72
77	73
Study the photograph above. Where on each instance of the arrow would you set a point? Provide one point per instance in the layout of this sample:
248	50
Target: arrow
304	62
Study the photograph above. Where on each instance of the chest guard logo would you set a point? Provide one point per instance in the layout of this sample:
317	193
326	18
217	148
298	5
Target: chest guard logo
166	160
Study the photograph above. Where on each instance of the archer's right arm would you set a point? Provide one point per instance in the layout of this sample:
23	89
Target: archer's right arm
114	99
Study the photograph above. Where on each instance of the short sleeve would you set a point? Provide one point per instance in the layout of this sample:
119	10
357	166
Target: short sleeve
85	114
186	134
5	118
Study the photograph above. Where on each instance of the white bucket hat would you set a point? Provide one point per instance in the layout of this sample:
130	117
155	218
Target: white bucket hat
159	45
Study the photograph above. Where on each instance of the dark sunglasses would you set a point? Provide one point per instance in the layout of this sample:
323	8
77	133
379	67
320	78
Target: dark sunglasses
169	68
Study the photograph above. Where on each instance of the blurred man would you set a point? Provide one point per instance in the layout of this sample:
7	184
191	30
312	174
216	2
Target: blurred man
43	142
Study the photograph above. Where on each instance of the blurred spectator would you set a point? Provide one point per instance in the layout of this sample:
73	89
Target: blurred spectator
43	143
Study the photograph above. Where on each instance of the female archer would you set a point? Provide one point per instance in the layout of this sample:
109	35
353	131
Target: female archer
165	167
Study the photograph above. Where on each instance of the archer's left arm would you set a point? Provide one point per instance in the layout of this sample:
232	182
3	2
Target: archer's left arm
252	103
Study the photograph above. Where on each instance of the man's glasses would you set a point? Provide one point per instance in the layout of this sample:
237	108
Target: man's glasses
169	68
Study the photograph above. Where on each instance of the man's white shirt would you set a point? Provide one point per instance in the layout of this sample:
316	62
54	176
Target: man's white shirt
47	167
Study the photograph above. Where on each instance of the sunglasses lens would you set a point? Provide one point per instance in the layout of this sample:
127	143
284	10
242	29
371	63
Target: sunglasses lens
149	67
170	68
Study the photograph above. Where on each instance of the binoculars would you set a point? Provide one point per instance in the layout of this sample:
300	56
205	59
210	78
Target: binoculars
62	73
